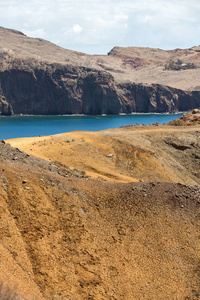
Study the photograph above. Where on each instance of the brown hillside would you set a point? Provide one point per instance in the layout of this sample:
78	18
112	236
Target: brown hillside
40	78
99	215
148	153
130	64
85	239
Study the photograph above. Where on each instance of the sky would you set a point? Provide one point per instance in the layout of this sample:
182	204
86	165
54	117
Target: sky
96	26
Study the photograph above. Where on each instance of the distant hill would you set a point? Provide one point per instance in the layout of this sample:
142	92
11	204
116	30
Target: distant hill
39	77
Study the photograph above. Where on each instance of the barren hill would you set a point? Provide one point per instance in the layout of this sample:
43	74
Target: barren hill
67	236
148	153
136	64
106	215
148	65
38	77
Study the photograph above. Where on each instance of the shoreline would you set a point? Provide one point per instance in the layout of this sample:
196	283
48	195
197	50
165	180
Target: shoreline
93	116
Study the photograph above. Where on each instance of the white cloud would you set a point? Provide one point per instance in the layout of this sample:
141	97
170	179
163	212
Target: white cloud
77	28
98	25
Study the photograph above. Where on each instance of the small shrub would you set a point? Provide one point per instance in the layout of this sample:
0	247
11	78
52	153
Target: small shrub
178	122
179	65
179	62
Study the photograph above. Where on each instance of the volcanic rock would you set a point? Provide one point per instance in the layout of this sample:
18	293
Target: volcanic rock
38	77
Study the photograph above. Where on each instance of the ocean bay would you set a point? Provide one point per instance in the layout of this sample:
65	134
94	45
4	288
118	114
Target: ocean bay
30	126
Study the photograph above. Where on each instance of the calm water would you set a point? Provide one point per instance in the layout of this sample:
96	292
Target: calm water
28	126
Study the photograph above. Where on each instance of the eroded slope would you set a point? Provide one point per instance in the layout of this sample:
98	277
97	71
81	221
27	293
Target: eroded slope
148	153
67	235
84	239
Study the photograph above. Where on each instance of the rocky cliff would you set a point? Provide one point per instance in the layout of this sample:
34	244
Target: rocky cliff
158	98
58	89
77	84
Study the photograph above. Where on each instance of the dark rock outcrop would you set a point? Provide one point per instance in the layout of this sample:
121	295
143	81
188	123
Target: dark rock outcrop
57	89
158	98
5	107
42	88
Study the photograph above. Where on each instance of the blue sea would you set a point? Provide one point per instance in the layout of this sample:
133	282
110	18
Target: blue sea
29	126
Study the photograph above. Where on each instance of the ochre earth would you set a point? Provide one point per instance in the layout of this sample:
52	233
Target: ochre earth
148	153
83	239
66	234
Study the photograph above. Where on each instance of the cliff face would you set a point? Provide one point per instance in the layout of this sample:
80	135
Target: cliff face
56	89
37	77
159	98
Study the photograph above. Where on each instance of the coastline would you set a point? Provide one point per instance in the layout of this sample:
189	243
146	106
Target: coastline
30	126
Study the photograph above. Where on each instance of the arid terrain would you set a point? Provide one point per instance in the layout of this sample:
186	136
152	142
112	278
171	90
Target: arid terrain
38	77
148	153
107	215
113	214
132	64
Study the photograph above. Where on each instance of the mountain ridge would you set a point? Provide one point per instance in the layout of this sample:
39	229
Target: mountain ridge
38	77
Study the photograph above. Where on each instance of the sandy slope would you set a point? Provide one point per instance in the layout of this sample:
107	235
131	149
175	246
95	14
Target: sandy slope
65	235
148	153
83	239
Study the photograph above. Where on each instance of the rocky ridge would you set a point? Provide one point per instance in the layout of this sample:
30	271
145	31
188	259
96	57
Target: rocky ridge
38	77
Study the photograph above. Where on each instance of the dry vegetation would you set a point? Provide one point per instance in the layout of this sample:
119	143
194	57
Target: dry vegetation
179	65
191	118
